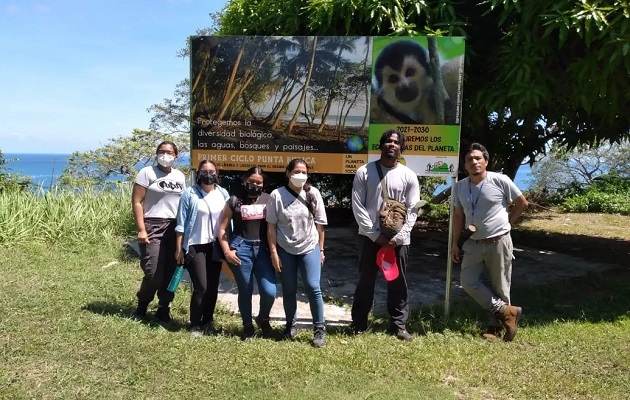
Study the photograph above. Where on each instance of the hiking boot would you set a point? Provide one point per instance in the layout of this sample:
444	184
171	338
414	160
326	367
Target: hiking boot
493	333
163	314
264	326
290	332
402	334
248	332
140	312
509	319
196	332
319	336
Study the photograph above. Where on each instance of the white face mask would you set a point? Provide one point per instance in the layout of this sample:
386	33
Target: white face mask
298	180
165	160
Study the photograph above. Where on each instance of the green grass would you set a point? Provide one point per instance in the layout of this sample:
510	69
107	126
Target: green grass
65	333
68	287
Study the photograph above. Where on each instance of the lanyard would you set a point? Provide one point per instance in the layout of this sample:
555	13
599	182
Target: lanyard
473	204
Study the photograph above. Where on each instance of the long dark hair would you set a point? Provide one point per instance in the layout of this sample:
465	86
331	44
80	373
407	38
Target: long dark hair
311	201
201	164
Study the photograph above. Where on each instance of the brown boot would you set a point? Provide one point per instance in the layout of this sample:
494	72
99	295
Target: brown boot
509	319
493	333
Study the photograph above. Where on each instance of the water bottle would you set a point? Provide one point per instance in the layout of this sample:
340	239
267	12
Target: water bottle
177	276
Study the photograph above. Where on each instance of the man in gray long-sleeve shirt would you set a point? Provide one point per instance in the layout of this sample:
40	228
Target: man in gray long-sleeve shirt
367	200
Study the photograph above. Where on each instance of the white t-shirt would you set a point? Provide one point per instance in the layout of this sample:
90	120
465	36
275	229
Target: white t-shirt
295	225
163	191
486	204
209	210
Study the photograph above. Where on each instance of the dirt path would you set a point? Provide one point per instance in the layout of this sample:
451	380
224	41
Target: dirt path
426	275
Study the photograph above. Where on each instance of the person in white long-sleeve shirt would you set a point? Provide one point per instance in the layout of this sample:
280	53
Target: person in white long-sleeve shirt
367	201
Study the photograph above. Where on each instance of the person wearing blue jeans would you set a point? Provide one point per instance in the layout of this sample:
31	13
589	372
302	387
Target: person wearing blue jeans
247	253
295	232
309	266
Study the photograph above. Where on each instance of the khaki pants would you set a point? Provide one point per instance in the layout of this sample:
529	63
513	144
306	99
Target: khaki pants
492	261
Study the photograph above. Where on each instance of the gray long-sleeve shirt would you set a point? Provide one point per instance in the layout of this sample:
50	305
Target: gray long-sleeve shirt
367	198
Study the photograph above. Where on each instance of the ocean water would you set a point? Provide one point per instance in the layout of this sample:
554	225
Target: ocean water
45	169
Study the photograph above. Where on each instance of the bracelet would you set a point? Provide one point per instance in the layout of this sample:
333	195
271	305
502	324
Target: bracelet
321	251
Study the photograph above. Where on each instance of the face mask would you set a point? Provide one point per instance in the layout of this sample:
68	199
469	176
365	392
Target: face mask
208	178
298	180
165	160
253	190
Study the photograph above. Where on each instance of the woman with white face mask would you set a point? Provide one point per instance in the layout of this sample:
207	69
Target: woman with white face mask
295	232
154	200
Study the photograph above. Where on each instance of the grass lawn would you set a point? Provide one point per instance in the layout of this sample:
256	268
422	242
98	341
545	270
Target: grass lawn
65	333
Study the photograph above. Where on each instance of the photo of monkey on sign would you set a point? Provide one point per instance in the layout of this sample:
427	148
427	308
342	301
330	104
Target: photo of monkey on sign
412	84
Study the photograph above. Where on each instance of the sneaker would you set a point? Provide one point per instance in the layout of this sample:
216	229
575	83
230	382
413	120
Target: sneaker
493	333
248	332
402	334
319	336
509	319
163	314
141	312
264	326
196	332
290	332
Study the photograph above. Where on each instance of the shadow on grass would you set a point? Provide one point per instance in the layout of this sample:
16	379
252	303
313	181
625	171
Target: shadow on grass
596	297
592	248
126	311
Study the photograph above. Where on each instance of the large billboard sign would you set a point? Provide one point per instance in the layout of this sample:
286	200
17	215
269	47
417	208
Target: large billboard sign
264	100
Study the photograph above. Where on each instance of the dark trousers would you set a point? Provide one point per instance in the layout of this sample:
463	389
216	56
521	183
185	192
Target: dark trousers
397	295
204	276
157	260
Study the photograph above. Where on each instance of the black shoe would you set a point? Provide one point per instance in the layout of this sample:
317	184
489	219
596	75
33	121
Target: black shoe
319	336
402	334
208	328
248	332
264	326
163	314
354	330
141	312
290	332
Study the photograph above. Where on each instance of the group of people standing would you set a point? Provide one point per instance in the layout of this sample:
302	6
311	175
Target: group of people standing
262	236
256	233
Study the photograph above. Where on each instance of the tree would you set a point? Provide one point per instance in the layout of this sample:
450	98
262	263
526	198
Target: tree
119	159
562	168
535	71
11	182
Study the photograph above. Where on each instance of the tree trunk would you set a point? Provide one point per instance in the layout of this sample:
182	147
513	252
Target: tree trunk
304	88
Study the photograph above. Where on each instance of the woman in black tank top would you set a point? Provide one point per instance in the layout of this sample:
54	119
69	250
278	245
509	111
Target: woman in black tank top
246	250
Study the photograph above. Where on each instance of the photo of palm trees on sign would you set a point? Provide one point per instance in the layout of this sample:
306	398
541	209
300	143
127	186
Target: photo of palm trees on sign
281	94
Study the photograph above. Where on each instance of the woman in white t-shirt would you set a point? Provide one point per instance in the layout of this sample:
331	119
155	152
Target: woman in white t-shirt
295	231
197	228
154	201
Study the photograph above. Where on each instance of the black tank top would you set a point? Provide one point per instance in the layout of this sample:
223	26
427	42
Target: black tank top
249	217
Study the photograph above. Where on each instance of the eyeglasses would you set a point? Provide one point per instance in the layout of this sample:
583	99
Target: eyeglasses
170	153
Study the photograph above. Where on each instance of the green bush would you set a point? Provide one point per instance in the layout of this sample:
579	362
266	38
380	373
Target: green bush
599	202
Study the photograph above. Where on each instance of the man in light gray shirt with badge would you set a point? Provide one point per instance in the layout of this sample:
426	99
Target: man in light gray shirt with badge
481	212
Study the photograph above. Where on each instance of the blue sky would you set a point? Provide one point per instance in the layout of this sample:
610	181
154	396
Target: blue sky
74	74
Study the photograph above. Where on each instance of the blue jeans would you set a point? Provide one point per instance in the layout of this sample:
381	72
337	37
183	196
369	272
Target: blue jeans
310	268
256	262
